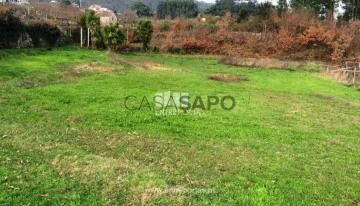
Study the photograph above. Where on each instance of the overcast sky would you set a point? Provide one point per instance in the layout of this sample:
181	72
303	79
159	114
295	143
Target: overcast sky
274	2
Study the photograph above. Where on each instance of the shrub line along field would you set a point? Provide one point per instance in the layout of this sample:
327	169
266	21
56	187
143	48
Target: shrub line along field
67	139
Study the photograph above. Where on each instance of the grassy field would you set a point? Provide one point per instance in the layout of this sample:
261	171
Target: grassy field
66	137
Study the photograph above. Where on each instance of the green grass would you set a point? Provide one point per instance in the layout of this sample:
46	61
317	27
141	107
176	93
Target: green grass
67	139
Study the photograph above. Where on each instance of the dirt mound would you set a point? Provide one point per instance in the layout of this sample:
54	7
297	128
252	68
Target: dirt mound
227	77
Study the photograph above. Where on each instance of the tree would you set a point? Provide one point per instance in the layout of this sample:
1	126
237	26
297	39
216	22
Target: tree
352	9
221	7
50	33
145	30
245	10
141	9
264	10
128	20
243	14
177	8
112	36
282	7
34	29
92	22
66	2
323	8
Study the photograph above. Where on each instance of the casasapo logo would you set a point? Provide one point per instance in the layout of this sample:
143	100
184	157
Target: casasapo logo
179	103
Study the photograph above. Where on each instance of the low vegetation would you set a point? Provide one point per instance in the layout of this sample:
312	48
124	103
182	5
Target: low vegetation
66	137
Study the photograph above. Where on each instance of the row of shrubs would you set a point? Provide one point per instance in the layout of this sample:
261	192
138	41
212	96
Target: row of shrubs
297	35
12	29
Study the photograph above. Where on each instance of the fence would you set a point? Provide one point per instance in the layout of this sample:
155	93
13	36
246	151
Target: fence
349	71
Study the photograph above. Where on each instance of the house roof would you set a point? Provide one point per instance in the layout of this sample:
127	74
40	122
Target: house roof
95	6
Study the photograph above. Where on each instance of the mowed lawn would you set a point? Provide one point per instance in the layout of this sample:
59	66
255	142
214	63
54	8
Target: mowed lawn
66	137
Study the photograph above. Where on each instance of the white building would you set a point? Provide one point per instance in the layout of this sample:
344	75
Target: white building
20	2
106	18
95	7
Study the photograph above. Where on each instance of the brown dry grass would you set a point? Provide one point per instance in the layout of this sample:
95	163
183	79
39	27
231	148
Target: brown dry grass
269	63
227	77
148	65
340	76
93	66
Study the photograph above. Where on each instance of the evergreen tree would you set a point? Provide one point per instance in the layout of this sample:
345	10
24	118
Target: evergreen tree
141	9
177	8
352	9
282	7
321	7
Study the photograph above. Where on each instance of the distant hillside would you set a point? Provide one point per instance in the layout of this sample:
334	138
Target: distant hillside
203	5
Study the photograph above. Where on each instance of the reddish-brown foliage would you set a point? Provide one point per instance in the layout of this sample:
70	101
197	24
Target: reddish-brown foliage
297	34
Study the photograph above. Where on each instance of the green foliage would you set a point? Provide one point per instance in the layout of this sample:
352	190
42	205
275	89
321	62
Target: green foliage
35	29
245	10
221	7
352	10
282	7
11	29
66	2
177	8
50	34
98	40
38	31
243	14
90	20
320	7
165	26
145	30
112	36
264	10
141	9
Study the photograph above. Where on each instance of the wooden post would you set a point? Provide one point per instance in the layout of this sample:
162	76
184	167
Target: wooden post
81	36
127	35
354	79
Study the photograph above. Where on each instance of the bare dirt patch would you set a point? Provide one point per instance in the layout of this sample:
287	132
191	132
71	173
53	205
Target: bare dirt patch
141	64
147	65
93	66
227	77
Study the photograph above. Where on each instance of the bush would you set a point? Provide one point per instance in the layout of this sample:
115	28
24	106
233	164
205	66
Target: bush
165	26
50	34
44	31
34	29
98	40
145	30
11	28
112	36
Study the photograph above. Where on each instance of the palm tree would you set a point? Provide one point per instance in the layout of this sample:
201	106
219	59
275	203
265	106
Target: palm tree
92	23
